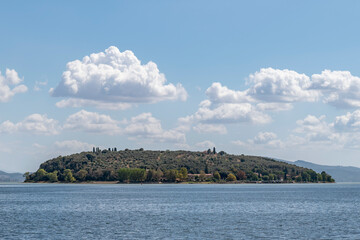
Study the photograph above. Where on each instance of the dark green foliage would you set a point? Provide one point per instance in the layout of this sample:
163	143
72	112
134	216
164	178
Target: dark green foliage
52	177
124	174
68	177
253	176
171	175
81	175
106	165
217	176
137	175
27	176
131	175
40	175
298	179
183	174
326	177
222	153
305	177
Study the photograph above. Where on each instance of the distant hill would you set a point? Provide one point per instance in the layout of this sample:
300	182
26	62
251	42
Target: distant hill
105	165
11	177
340	173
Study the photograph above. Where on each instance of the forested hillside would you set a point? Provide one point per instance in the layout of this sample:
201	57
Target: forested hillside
169	166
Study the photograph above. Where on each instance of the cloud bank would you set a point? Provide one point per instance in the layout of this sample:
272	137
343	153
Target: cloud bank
272	90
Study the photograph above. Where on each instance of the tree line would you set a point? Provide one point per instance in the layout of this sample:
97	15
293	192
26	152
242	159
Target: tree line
139	175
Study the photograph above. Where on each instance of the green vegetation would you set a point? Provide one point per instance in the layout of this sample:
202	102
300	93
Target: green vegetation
231	177
134	166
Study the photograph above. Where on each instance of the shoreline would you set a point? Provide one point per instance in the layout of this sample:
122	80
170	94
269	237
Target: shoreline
184	183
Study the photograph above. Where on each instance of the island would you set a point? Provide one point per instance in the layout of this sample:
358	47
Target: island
145	166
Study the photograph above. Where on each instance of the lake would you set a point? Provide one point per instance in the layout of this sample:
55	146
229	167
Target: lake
180	211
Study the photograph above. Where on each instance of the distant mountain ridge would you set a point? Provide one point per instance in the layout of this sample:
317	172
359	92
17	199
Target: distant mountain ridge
340	173
11	177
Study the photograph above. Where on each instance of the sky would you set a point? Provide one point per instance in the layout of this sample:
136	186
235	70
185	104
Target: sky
270	78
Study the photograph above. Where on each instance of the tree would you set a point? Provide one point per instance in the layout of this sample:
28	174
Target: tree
313	176
27	176
323	176
159	175
150	175
271	177
171	175
81	175
202	176
209	151
254	177
68	177
217	176
183	174
137	175
305	177
108	175
231	177
123	174
52	177
241	175
265	178
214	150
298	179
40	175
319	176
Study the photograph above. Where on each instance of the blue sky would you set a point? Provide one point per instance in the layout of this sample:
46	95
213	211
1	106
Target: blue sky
270	78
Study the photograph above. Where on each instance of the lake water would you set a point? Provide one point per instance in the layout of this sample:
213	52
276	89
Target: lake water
176	211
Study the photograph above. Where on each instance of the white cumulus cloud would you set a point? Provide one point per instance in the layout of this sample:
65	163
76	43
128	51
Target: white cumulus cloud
11	78
275	85
92	122
222	94
262	139
348	122
341	133
141	127
210	128
316	128
340	88
34	124
146	127
114	77
228	113
72	102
